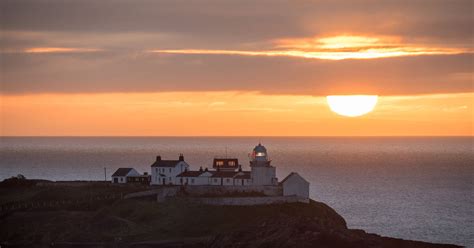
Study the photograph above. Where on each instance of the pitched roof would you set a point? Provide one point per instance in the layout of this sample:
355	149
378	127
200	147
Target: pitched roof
225	174
246	175
165	163
290	175
121	172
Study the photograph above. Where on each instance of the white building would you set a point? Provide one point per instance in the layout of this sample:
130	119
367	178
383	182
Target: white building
164	172
121	174
294	184
200	177
228	172
261	172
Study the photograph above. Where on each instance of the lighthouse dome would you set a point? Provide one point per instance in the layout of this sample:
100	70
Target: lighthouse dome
260	153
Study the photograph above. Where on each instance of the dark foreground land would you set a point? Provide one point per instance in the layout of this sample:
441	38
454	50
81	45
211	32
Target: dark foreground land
94	215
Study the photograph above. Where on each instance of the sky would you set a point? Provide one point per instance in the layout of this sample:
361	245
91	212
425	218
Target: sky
235	68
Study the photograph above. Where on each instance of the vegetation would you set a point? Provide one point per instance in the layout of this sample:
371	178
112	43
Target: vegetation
174	223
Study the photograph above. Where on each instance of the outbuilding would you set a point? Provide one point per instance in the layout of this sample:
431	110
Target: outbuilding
121	174
296	185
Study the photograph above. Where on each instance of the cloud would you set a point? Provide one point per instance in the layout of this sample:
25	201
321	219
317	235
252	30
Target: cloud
247	21
416	46
116	72
332	48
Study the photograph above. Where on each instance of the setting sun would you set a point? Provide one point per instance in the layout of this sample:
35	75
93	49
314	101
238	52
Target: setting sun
352	105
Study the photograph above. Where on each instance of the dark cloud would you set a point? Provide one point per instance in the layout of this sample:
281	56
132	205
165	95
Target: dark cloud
114	72
248	20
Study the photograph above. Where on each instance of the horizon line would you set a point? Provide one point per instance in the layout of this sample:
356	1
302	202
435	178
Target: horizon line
236	136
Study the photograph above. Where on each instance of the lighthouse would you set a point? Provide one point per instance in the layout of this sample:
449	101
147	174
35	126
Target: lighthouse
262	172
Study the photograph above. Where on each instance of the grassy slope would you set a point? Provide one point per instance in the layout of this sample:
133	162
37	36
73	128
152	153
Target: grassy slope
144	220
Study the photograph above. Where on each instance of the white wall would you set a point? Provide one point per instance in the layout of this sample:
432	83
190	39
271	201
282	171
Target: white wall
215	180
249	201
170	173
263	175
120	179
227	181
296	185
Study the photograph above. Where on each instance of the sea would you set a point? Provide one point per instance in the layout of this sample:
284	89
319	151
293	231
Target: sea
418	188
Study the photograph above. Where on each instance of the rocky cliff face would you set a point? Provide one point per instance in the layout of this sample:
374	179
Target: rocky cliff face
294	229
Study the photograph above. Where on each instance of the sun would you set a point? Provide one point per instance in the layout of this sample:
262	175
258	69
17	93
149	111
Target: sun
352	105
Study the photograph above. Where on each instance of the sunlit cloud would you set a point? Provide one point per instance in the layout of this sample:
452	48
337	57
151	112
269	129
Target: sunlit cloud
59	50
331	48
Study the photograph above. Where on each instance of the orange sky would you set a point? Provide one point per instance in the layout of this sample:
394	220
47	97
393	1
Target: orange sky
233	68
229	114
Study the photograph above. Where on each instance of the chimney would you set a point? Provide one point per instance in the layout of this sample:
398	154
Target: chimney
206	169
200	168
158	158
181	157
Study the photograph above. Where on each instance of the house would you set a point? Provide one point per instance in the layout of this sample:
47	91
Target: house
243	178
294	184
200	177
223	178
140	179
227	172
164	172
121	174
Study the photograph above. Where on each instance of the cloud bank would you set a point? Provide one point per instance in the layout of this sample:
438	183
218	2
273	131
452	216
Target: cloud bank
413	47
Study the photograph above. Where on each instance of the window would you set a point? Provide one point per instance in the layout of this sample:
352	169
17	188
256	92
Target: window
181	180
192	181
231	163
215	180
170	170
219	163
227	180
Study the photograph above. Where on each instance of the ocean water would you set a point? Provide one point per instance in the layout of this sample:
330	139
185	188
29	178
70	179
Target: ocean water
411	188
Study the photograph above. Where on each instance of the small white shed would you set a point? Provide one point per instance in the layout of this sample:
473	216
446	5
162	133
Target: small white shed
294	184
121	174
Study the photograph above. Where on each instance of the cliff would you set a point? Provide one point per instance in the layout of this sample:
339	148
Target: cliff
85	216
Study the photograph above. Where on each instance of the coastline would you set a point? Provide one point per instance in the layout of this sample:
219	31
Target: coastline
143	222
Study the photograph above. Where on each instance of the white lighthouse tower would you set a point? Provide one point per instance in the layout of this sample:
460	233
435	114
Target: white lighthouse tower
262	173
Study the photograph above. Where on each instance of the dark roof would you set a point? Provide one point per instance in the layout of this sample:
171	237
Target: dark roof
246	175
225	174
190	173
291	174
121	172
165	163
